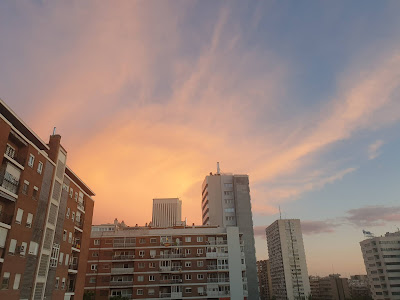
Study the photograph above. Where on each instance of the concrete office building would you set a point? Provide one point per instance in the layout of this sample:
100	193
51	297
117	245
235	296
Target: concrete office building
167	212
287	258
331	287
226	202
382	262
180	262
264	279
45	216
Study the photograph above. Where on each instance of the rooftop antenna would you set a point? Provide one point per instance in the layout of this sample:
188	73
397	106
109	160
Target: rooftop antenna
54	131
280	214
218	171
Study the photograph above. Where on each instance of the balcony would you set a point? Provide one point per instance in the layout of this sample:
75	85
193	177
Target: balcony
165	269
6	218
217	280
124	245
216	254
173	255
176	295
76	246
121	283
9	183
123	257
171	281
212	267
176	268
121	270
165	295
79	224
81	207
217	293
73	267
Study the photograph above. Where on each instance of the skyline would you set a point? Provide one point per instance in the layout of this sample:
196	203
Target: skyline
302	99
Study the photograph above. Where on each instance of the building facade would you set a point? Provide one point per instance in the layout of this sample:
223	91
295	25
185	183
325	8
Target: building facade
197	262
44	231
289	274
264	279
359	287
382	262
167	212
331	287
226	202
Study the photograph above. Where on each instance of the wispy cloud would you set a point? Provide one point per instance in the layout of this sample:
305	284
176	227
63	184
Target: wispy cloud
373	149
378	215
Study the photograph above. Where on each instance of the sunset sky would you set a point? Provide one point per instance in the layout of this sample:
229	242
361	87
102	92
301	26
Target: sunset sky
304	96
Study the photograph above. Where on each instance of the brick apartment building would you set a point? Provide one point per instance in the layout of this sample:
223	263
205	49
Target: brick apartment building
45	216
180	262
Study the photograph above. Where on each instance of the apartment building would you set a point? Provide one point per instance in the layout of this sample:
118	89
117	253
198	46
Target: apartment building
45	216
264	279
226	202
331	287
359	287
382	262
167	212
180	262
289	274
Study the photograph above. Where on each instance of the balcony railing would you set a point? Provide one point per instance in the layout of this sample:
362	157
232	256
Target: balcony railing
173	255
121	270
9	182
217	293
123	245
123	257
176	268
79	224
214	280
165	295
119	283
212	267
73	267
80	206
5	218
76	245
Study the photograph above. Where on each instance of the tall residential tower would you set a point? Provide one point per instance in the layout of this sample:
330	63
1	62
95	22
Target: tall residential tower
226	202
287	257
167	212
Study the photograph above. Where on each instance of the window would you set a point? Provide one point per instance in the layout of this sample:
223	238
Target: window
17	279
106	266
142	241
188	276
68	213
71	192
93	267
200	251
187	251
6	281
141	253
33	248
31	160
200	276
73	216
76	196
97	242
188	290
65	235
200	263
70	237
25	187
153	240
63	284
22	248
92	280
57	283
230	218
13	245
188	239
18	218
228	193
61	258
199	239
10	151
228	185
140	278
152	278
40	167
141	265
150	291
188	264
229	210
152	265
35	192
95	254
153	253
66	259
139	292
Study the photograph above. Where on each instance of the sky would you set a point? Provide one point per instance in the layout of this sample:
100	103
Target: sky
149	95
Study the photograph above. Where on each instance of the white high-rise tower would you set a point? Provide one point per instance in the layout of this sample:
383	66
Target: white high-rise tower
289	274
226	202
167	212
